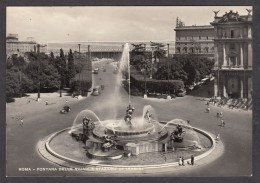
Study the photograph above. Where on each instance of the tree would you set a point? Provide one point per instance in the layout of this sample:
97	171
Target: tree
43	74
159	52
13	85
71	68
62	68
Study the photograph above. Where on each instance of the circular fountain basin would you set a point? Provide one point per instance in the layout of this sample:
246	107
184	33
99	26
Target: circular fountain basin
64	150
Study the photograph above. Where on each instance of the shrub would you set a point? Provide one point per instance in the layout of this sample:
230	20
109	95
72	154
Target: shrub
156	86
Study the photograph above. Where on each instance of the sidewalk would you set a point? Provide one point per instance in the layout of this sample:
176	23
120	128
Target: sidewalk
29	105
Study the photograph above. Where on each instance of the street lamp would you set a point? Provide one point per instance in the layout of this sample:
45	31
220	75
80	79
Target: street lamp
79	71
168	68
60	81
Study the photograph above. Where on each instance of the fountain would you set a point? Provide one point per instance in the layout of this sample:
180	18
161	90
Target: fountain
125	137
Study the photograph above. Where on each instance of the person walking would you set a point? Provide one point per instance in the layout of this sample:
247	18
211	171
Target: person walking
220	114
180	161
192	160
21	122
222	123
217	137
208	109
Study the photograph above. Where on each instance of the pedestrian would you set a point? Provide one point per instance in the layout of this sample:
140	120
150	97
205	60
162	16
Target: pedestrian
220	113
180	161
222	123
217	137
21	124
66	102
188	122
208	109
46	103
192	160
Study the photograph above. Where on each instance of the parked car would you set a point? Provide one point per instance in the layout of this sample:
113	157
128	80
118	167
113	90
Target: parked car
181	92
96	91
96	71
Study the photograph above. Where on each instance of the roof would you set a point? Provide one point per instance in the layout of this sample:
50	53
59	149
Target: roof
232	17
194	27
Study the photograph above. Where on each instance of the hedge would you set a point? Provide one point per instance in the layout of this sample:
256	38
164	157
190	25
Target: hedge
156	86
85	86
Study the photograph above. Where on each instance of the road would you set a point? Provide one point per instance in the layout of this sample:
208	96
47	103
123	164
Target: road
236	136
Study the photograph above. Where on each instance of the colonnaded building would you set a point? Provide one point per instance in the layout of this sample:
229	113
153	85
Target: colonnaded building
233	58
103	49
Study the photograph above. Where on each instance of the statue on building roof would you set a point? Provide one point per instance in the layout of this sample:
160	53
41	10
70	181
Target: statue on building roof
216	13
249	11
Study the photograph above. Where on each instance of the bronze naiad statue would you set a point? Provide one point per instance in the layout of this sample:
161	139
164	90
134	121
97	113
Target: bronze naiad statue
109	142
88	126
148	116
178	134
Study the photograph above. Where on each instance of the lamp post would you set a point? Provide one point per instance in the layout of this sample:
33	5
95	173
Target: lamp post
168	45
60	81
38	78
79	71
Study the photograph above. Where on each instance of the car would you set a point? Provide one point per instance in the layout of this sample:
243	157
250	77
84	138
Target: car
181	92
65	110
96	71
96	91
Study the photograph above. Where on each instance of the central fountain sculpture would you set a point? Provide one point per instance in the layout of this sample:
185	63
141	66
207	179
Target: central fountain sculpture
114	139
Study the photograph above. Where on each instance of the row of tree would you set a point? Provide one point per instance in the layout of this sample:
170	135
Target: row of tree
187	68
38	72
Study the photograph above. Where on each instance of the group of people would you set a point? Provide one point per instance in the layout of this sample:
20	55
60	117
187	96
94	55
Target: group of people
220	115
182	163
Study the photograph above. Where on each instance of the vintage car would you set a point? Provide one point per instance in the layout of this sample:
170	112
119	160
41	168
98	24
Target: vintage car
65	110
96	91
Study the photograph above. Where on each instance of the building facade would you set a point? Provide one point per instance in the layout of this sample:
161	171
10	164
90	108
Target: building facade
14	46
194	39
233	58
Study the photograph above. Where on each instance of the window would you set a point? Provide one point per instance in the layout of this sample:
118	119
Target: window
232	46
191	37
232	61
232	33
199	37
185	37
207	37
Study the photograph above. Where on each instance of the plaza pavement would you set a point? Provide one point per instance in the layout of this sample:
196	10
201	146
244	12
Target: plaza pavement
41	120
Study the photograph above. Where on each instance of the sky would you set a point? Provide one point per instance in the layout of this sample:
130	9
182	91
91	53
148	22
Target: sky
107	23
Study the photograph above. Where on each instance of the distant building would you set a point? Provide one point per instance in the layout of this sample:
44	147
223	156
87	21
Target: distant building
104	49
14	46
194	39
233	48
